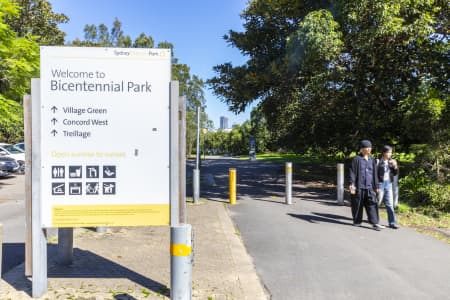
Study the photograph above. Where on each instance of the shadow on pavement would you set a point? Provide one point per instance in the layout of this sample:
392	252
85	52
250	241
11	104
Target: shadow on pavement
124	296
86	264
13	254
318	219
332	216
261	181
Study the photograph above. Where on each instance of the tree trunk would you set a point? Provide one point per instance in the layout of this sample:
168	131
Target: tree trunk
438	170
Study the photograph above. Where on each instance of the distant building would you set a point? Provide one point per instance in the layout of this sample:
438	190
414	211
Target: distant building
234	125
223	123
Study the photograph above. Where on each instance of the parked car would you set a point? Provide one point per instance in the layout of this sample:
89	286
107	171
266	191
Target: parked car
14	152
20	146
8	165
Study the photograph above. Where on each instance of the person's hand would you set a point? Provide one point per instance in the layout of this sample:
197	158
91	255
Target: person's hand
377	190
394	164
352	189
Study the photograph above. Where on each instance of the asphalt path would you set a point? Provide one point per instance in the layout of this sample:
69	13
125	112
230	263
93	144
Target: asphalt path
12	218
310	250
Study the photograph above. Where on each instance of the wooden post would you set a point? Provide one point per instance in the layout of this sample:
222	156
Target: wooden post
28	165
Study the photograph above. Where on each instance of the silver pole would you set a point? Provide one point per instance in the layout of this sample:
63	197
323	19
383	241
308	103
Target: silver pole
39	241
181	262
196	185
197	161
182	163
196	172
65	246
340	184
180	234
288	183
174	155
395	190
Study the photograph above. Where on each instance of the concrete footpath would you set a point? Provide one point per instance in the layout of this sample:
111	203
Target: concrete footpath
134	263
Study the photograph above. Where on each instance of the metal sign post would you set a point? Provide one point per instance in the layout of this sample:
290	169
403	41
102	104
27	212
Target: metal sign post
174	155
39	240
180	234
182	160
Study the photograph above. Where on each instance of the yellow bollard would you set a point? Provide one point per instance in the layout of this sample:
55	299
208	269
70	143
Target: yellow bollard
232	177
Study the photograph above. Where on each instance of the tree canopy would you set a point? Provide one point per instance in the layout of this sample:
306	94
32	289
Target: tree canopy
36	18
19	62
328	73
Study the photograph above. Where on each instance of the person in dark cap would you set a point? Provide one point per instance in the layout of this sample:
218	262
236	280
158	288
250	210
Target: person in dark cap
364	186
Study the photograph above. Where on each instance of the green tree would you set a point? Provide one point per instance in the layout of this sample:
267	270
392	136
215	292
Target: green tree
259	130
36	18
19	62
328	73
101	36
426	123
143	41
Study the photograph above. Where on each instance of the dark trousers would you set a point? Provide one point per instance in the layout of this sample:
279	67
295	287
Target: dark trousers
368	199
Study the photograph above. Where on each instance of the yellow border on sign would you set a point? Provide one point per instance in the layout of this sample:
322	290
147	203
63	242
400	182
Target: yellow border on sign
110	215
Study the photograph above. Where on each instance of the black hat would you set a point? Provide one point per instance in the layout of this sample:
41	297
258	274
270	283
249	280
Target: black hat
366	144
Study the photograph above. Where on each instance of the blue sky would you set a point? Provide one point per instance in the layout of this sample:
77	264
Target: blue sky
196	29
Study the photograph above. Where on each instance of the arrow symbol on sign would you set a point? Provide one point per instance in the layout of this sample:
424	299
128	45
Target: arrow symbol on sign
54	121
54	109
54	132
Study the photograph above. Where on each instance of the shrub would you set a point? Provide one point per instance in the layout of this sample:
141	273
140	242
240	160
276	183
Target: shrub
419	191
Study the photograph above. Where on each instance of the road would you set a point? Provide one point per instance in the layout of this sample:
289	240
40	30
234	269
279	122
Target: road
12	218
310	250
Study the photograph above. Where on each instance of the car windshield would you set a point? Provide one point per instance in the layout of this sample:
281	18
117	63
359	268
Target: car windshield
12	149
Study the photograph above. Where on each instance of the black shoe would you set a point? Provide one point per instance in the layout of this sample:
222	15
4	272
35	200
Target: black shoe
394	226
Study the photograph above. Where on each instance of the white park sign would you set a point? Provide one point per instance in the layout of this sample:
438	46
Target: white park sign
104	136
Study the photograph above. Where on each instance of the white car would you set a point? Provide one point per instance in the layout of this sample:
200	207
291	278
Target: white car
13	152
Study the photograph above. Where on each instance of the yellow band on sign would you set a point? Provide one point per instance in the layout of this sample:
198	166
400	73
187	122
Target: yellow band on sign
180	250
110	215
289	169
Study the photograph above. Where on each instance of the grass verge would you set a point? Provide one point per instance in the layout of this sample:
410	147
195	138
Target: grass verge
308	157
435	227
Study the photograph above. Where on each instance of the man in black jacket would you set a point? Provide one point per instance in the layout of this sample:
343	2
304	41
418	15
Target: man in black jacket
364	186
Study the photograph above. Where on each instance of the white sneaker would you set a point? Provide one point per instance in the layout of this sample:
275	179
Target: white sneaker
378	227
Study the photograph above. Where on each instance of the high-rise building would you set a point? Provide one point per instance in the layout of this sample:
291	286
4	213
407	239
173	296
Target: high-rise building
223	123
